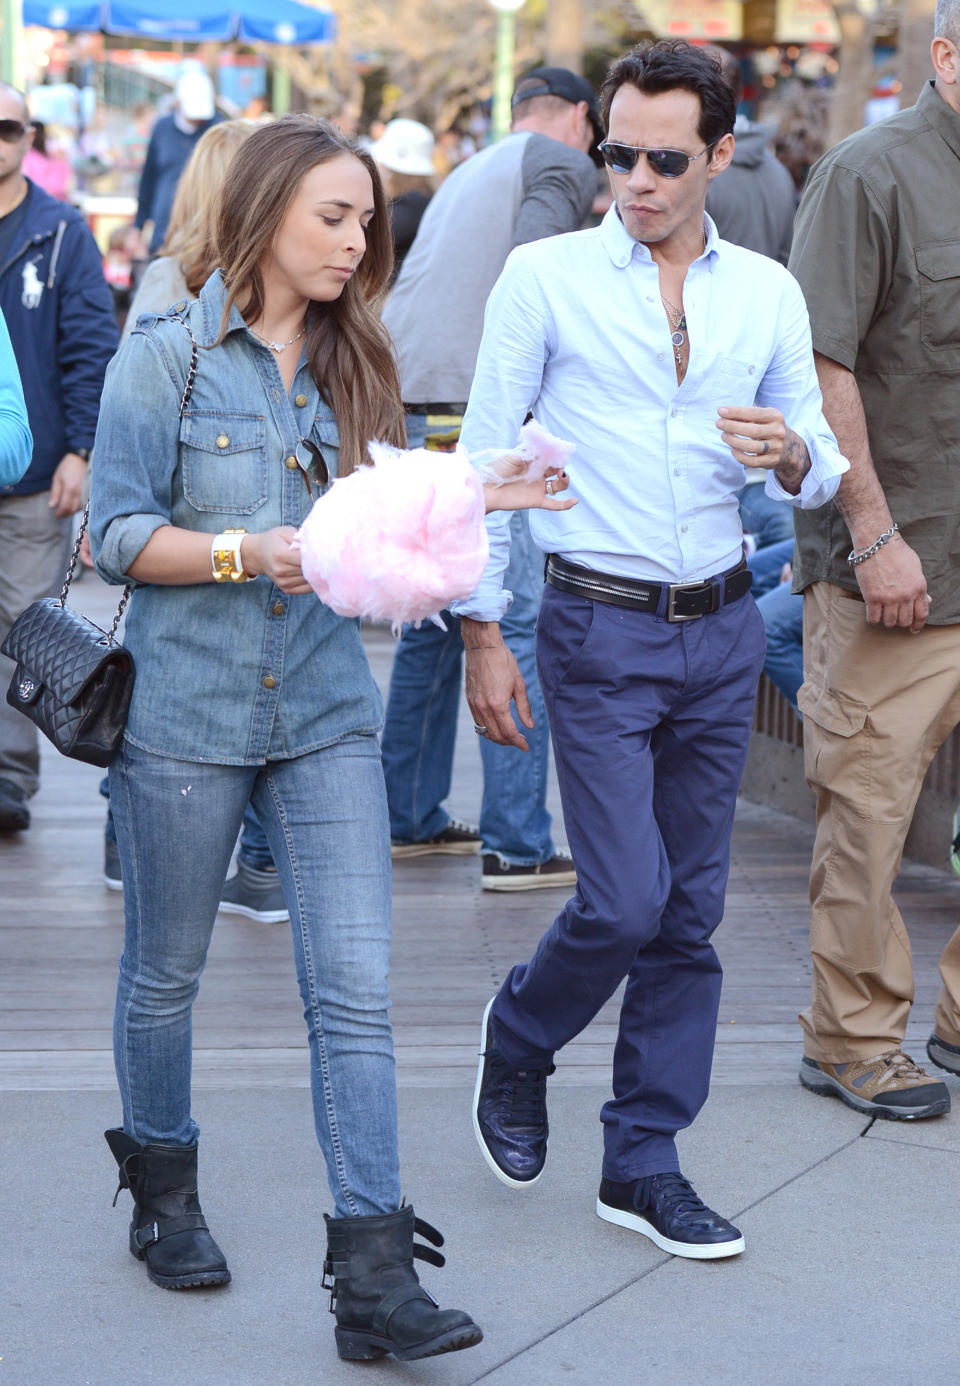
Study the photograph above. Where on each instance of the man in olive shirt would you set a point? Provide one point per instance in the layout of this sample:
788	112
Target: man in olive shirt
877	252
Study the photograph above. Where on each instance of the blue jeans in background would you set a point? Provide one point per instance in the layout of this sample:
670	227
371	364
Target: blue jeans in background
420	730
782	612
325	818
769	521
766	565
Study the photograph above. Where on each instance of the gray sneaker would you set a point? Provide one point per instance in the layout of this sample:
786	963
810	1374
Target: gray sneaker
255	894
112	878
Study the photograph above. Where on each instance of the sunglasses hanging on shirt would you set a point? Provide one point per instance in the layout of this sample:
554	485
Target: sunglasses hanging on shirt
669	163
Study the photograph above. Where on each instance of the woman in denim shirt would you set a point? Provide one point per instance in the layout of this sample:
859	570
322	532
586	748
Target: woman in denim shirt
254	690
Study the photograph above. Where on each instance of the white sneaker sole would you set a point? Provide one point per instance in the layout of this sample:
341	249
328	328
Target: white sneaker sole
504	1178
400	850
692	1251
112	884
565	880
261	916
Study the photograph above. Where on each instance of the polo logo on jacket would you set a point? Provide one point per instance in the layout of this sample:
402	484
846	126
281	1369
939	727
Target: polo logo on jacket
32	287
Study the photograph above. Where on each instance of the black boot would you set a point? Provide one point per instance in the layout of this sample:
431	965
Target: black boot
380	1304
168	1230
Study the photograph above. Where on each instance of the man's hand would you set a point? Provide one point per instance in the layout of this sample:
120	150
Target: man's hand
66	488
759	437
894	587
493	679
512	493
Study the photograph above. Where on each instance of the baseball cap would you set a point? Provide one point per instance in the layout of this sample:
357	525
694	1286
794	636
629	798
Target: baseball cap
195	96
560	81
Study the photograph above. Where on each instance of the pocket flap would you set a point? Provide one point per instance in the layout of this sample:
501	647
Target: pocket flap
222	431
939	261
829	710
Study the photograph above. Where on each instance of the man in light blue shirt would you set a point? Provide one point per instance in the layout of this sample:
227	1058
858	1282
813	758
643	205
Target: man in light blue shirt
673	360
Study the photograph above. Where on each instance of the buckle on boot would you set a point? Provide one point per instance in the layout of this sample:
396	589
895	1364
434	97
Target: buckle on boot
146	1236
327	1282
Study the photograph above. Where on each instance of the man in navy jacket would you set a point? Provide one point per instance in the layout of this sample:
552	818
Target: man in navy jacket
59	313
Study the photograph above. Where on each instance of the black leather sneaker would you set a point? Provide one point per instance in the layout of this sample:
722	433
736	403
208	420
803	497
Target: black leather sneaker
666	1208
510	1113
456	839
557	870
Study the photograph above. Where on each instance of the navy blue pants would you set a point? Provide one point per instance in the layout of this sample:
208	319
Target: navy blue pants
650	724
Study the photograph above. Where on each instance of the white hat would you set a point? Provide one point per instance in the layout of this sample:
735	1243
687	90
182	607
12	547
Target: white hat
195	96
405	146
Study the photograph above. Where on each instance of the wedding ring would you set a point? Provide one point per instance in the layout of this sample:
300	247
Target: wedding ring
481	731
550	487
766	447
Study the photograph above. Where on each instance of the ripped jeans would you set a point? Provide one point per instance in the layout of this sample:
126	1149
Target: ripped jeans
325	818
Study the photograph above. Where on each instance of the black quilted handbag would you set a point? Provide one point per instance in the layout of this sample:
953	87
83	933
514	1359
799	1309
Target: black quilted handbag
73	680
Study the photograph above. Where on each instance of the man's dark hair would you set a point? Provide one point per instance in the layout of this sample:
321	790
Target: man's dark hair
669	65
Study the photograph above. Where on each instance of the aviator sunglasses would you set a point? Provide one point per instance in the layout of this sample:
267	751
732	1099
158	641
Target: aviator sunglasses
11	131
669	163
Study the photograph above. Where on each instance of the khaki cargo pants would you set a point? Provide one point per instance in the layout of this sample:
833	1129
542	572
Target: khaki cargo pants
876	704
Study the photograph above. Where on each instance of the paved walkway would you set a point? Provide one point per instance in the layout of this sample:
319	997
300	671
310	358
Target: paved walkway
850	1230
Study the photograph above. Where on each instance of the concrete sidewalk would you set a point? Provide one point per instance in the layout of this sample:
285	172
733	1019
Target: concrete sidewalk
850	1229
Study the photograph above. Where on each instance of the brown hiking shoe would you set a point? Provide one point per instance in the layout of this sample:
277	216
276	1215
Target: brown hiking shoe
891	1085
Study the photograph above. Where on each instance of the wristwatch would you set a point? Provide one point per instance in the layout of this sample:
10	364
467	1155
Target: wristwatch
225	556
81	452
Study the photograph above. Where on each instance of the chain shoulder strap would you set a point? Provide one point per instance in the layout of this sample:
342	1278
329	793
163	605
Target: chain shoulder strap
74	557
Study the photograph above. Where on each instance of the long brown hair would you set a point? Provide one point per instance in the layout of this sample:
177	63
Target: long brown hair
348	349
191	231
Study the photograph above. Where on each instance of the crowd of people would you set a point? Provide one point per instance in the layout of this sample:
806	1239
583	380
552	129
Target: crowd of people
748	490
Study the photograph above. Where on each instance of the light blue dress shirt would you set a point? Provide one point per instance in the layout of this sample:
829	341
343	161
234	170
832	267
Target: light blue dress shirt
576	332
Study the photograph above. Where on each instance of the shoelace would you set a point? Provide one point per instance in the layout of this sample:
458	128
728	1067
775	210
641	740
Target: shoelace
522	1093
900	1067
679	1191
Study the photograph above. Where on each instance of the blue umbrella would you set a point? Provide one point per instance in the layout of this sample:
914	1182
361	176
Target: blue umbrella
189	21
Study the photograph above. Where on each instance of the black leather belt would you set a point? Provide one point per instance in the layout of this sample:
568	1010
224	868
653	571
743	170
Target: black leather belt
434	408
685	601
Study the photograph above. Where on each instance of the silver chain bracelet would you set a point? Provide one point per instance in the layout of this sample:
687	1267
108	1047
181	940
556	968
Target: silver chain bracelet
854	557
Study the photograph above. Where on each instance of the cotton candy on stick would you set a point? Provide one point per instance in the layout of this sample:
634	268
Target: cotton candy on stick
399	540
537	453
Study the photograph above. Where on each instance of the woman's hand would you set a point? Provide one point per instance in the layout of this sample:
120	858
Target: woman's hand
524	495
275	554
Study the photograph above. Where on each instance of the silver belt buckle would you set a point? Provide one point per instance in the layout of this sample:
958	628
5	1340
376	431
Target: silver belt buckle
672	591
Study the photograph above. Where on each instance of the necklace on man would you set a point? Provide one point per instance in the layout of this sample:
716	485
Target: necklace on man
679	319
278	346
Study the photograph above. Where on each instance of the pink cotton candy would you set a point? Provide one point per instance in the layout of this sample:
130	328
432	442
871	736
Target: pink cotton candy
542	451
398	540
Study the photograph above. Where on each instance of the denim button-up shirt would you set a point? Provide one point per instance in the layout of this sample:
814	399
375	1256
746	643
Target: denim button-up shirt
232	673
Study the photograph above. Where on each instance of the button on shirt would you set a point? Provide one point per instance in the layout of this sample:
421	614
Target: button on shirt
575	331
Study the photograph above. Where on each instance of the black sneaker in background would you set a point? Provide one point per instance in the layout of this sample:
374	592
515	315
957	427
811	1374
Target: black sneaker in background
14	814
557	871
667	1209
457	839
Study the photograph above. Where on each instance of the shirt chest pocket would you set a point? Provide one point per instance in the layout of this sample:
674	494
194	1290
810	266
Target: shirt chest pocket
939	267
224	461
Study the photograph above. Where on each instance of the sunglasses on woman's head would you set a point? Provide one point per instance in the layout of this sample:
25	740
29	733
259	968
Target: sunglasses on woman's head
669	163
11	131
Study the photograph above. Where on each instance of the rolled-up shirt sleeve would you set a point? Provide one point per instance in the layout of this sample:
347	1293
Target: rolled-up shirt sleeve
790	384
135	456
506	383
